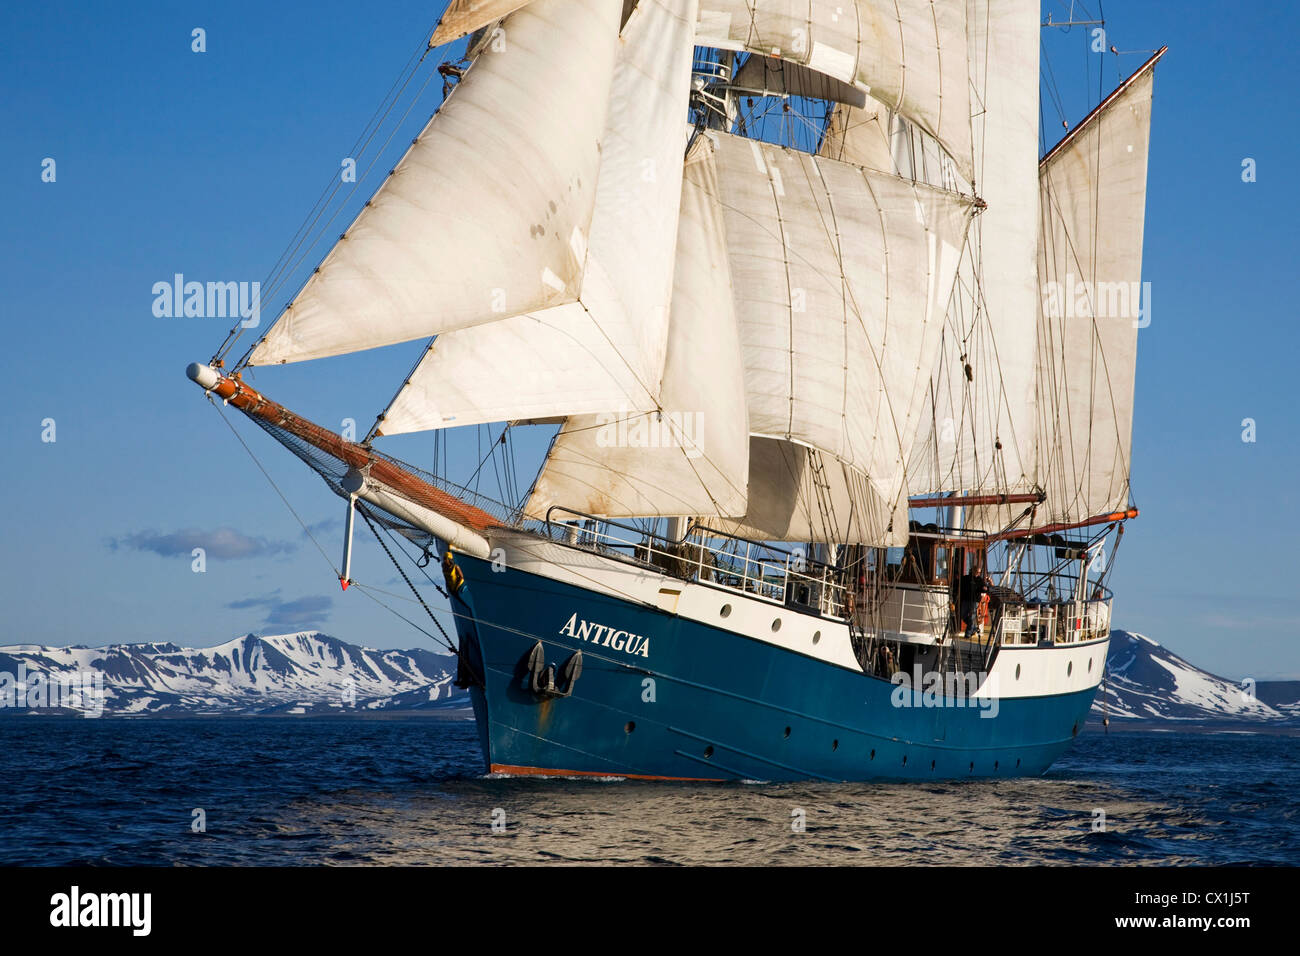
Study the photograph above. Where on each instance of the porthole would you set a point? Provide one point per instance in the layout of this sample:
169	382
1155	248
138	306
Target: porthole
776	625
835	745
1017	763
787	733
1017	672
1069	668
972	766
726	611
995	765
904	760
817	636
708	751
873	755
629	726
1090	665
931	764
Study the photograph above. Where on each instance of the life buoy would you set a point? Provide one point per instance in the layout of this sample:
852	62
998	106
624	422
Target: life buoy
984	609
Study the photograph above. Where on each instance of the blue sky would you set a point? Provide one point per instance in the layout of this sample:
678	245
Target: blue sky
170	161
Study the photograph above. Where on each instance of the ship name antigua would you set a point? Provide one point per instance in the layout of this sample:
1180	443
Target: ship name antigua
624	641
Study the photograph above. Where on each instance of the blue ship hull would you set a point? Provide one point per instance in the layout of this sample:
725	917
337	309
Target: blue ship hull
709	704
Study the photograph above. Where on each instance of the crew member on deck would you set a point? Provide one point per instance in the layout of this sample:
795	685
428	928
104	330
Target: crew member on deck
971	587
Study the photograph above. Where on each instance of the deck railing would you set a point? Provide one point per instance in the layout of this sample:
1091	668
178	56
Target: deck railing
761	570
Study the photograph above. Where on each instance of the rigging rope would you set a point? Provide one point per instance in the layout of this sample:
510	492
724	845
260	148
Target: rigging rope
285	263
296	263
446	640
305	529
364	511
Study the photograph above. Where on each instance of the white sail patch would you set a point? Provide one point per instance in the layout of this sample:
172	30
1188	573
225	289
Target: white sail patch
605	635
834	63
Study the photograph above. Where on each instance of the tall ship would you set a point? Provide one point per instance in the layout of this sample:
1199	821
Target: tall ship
835	364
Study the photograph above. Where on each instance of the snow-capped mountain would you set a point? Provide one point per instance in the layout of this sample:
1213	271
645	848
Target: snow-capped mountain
307	672
313	673
1146	681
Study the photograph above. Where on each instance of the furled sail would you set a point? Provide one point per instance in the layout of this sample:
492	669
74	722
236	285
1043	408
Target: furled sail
690	456
798	494
841	277
908	54
605	351
521	134
1093	200
980	432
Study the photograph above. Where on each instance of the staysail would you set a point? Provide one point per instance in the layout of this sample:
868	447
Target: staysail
1093	201
606	350
489	213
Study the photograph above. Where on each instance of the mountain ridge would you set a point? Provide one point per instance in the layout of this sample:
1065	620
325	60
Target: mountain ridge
313	673
301	672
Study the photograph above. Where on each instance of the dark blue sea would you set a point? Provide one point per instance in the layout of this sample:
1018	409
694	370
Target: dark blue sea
410	790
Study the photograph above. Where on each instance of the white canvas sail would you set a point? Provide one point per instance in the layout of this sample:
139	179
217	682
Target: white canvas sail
488	214
992	321
690	456
605	351
772	76
1093	201
860	135
841	277
792	499
908	54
